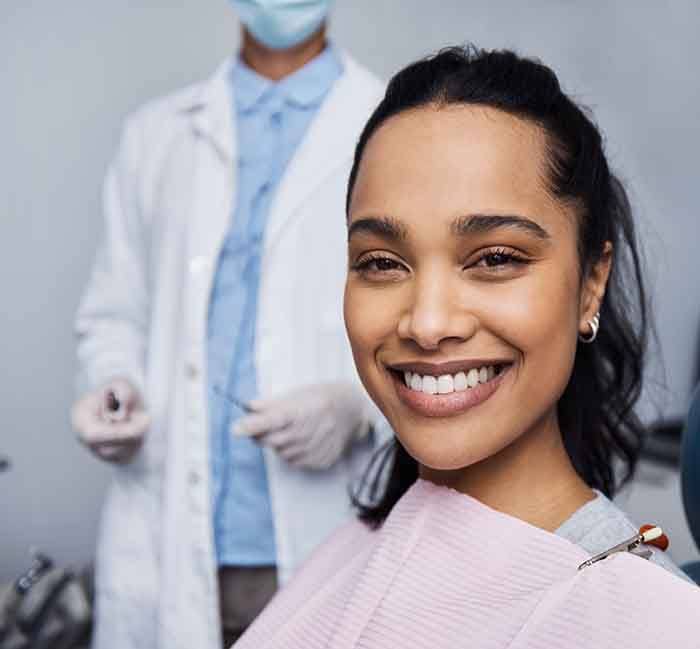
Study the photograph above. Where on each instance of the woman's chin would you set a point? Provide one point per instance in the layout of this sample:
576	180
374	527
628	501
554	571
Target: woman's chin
444	456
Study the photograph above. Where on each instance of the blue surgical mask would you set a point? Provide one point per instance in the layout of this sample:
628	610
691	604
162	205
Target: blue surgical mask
280	24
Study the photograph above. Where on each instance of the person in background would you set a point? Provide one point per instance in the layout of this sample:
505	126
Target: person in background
218	378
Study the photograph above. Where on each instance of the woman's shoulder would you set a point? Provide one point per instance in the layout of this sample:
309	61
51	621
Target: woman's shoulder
622	601
600	524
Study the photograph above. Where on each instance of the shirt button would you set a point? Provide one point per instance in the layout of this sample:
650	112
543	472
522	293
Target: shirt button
193	478
199	264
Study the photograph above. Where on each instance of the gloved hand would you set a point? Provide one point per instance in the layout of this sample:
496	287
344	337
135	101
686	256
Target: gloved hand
310	427
112	430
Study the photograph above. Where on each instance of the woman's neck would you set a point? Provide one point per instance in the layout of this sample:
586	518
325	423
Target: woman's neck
532	479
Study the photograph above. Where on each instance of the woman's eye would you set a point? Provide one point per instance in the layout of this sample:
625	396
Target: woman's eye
378	266
498	258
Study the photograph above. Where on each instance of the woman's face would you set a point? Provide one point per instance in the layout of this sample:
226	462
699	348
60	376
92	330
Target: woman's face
463	299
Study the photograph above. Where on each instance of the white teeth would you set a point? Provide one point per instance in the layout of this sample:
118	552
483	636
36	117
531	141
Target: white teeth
460	382
430	384
448	383
445	384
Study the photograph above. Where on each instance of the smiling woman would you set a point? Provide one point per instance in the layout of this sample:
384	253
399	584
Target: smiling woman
484	219
495	308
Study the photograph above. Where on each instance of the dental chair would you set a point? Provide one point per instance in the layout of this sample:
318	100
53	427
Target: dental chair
690	478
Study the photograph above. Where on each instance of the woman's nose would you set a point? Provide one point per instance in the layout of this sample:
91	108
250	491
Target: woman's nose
435	314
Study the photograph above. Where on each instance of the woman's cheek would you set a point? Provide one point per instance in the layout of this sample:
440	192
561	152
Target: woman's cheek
368	320
539	319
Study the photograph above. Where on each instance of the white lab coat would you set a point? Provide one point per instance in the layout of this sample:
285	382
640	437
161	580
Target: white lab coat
168	203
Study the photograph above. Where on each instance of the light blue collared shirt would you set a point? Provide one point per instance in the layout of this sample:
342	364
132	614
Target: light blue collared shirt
271	119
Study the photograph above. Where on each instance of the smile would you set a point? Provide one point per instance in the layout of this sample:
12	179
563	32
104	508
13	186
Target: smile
447	389
448	383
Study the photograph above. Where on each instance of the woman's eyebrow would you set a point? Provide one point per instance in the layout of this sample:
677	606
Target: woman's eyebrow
482	223
385	227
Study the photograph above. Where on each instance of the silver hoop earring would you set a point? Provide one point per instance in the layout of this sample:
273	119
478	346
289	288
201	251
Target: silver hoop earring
594	324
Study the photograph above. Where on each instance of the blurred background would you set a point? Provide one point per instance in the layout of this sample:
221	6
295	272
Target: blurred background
72	71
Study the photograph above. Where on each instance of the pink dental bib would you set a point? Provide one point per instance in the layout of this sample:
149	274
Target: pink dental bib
445	571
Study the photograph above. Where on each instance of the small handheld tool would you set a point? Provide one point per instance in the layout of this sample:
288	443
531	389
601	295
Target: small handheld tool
115	410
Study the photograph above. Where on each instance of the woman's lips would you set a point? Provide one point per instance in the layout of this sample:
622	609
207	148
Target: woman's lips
446	405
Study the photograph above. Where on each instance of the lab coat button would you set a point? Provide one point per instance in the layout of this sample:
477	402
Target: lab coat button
193	478
192	371
198	264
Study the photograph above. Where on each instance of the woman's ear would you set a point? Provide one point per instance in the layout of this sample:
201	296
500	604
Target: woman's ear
594	286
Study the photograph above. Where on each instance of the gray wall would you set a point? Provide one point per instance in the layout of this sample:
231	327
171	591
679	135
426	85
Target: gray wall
71	71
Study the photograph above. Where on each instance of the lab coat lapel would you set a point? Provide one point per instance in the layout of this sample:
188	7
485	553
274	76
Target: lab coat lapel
212	188
212	114
326	145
